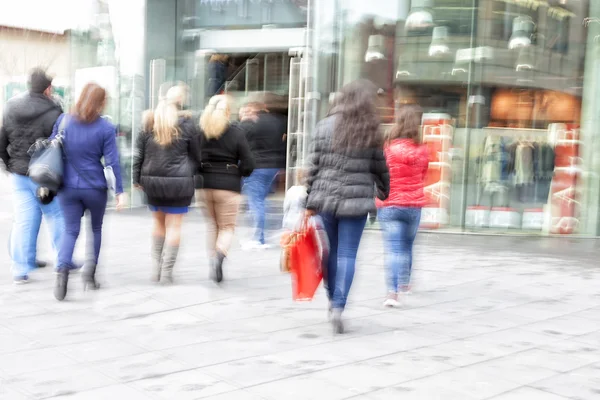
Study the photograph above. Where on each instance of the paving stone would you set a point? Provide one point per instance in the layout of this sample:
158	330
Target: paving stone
118	391
254	371
381	372
18	363
470	381
187	385
236	395
98	350
528	393
307	387
65	381
418	390
582	383
141	366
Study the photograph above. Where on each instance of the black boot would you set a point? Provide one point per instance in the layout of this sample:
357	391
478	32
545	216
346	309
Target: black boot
89	277
40	264
217	273
336	321
60	287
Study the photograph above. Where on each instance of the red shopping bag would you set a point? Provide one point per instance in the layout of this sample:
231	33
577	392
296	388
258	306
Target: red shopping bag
305	259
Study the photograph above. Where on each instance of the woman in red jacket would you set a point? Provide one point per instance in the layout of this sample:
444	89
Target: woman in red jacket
400	214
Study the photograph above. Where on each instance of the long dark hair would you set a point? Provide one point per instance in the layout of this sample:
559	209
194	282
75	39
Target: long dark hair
357	124
408	121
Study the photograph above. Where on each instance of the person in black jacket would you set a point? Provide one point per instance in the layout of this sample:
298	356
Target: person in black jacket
266	136
226	158
347	170
27	118
167	156
217	74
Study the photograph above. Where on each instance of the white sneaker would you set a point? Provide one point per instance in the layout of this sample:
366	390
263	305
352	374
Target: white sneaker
391	300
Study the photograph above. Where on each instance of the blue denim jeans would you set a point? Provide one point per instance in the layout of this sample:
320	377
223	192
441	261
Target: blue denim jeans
399	225
28	213
257	187
74	203
344	236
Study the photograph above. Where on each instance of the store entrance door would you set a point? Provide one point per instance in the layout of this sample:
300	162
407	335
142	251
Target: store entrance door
273	77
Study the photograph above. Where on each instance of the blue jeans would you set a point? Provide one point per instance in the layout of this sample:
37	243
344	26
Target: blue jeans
27	220
400	225
344	237
257	187
74	203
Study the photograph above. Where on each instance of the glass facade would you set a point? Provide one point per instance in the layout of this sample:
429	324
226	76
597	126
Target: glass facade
507	88
509	107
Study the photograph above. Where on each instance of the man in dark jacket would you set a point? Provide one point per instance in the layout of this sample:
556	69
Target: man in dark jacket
27	118
266	136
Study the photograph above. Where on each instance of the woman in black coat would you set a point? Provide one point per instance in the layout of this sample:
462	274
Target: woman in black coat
226	158
347	171
168	154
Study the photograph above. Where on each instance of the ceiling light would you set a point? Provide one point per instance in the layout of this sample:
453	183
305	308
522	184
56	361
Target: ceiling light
439	42
420	17
376	48
521	33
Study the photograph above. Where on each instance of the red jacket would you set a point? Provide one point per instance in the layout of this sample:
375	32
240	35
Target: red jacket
407	163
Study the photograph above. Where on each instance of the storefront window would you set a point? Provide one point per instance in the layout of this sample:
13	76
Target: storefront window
502	86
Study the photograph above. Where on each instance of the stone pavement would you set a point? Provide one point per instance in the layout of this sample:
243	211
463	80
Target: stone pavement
490	318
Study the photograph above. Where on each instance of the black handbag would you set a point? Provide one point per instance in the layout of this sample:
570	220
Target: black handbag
46	167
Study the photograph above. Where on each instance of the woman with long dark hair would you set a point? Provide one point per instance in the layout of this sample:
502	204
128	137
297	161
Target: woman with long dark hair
167	156
87	139
400	214
347	171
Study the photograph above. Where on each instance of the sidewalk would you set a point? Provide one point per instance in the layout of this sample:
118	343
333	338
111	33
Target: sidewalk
490	318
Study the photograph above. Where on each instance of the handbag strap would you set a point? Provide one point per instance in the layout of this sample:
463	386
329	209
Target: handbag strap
62	134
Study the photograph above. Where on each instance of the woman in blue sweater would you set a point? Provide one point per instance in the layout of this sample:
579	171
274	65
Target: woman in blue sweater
87	138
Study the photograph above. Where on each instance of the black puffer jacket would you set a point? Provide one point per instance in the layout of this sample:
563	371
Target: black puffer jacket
166	173
344	183
266	137
27	118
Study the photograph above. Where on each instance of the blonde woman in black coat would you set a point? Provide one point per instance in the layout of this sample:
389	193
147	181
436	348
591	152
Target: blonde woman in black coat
167	156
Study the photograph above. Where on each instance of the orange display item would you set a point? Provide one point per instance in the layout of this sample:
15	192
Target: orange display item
564	194
437	136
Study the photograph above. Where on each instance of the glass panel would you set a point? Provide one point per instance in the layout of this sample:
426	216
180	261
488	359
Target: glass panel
107	50
238	14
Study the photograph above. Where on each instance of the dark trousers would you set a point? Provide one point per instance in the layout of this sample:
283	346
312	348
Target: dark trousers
74	203
344	236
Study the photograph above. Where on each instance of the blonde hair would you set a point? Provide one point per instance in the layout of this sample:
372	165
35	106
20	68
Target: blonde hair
219	57
178	94
165	121
215	118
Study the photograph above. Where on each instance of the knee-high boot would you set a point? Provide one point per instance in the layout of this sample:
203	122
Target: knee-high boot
158	243
169	258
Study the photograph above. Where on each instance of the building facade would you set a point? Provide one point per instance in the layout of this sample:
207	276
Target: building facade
507	87
23	49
